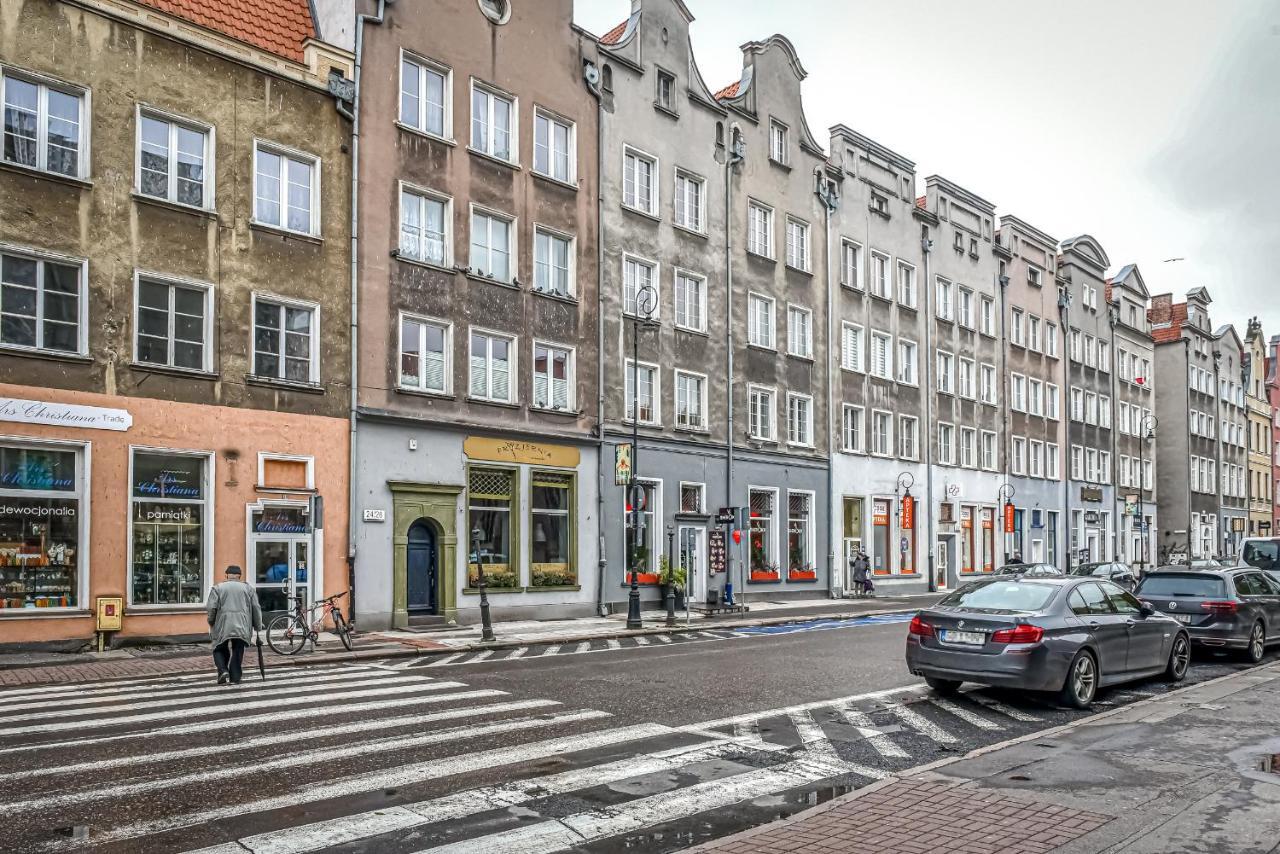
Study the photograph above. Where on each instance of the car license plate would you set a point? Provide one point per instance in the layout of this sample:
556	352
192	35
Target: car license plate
970	638
1182	618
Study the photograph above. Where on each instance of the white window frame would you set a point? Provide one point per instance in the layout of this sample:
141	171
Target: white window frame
425	194
44	84
650	207
290	302
493	92
424	320
571	274
423	64
513	264
285	153
571	165
807	440
209	345
571	377
82	298
210	148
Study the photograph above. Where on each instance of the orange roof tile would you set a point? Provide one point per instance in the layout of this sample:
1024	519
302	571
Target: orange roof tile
276	26
615	35
730	91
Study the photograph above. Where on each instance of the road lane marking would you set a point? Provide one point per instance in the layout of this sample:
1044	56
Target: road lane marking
309	757
361	726
964	714
921	724
879	741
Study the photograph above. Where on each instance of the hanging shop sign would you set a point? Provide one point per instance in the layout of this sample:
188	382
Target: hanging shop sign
1008	517
516	451
64	414
717	552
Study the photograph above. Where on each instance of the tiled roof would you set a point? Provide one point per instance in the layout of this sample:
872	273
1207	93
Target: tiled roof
1173	331
730	91
615	35
276	26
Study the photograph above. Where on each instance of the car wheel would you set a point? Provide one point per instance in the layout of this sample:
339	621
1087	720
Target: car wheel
1082	681
1179	659
942	686
1257	644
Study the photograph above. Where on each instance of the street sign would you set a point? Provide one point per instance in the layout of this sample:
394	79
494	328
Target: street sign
717	553
725	515
622	464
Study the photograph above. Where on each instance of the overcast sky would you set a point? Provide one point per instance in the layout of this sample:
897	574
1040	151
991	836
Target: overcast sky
1153	125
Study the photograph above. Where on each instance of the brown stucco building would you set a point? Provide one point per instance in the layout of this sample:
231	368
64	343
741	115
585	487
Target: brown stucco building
175	258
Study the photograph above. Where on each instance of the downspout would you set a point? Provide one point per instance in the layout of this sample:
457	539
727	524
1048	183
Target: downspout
926	248
827	195
602	563
354	116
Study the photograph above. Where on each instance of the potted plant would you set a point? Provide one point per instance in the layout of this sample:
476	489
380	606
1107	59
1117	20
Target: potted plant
671	577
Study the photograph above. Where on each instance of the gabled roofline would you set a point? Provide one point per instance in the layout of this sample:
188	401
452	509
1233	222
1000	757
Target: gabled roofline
1028	230
873	147
972	199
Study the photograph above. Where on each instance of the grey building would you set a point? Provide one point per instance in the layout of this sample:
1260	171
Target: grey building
1134	420
1082	265
1034	356
1202	507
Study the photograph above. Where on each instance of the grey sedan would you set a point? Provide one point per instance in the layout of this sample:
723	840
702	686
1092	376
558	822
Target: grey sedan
1068	635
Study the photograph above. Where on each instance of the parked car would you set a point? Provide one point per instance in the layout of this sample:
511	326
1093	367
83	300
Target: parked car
1067	634
1234	608
1117	573
1030	570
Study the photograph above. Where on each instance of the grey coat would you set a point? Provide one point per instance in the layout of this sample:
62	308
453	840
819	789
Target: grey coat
234	612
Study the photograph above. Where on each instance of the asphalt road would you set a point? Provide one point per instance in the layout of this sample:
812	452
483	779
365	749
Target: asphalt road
602	747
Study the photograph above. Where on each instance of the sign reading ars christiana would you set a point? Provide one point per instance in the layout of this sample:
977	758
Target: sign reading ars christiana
64	414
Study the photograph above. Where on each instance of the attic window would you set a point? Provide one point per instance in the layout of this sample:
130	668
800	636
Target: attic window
497	11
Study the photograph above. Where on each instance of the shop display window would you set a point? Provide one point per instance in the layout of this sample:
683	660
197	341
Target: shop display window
40	526
168	501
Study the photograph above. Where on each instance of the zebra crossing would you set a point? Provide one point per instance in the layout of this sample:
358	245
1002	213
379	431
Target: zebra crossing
406	761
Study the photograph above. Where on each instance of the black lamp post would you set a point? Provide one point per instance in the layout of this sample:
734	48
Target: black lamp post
671	565
646	302
1147	430
486	625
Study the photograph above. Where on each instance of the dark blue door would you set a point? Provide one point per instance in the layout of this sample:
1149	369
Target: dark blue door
421	570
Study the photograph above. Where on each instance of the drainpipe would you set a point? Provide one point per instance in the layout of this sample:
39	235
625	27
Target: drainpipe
602	563
827	195
926	248
354	115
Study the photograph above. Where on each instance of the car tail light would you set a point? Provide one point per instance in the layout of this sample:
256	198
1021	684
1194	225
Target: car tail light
1219	608
1019	634
920	627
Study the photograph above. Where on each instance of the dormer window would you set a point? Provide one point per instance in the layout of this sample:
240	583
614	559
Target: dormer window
665	97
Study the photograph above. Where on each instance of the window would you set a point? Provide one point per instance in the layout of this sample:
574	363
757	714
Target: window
880	276
552	377
881	356
946	372
425	354
552	262
946	444
691	301
851	351
1051	401
42	488
760	321
665	96
1018	390
906	284
988	316
964	307
41	305
881	433
692	498
690	191
777	142
852	429
763	566
759	229
851	265
286	340
799	419
966	388
908	437
493	124
286	190
988	450
425	222
1018	455
797	244
761	413
553	147
44	126
799	551
1015	326
1033	333
988	384
1035	458
171	160
426	103
799	332
492	366
639	187
1051	339
636	276
172	325
645	402
170	551
907	362
551	521
691	401
968	447
945	309
491	497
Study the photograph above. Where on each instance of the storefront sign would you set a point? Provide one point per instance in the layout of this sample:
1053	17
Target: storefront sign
622	464
1008	517
908	515
64	414
515	451
716	551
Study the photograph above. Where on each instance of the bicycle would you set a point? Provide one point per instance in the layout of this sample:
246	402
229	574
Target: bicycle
289	632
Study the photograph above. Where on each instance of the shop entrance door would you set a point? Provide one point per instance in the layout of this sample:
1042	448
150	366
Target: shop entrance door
280	573
421	571
693	558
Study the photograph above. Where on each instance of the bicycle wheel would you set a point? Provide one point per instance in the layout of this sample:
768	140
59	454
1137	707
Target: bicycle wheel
341	629
286	634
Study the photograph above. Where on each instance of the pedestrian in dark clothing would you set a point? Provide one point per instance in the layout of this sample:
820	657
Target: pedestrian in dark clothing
234	613
862	575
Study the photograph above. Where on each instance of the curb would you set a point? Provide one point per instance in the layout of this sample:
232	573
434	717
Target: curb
929	767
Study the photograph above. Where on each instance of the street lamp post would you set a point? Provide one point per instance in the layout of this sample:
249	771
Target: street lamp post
486	625
1147	431
646	302
671	587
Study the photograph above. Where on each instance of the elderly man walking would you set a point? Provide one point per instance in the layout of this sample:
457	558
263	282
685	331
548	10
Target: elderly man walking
234	613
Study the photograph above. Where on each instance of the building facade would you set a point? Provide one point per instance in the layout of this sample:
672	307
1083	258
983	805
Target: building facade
1260	418
1133	399
1035	393
478	383
174	349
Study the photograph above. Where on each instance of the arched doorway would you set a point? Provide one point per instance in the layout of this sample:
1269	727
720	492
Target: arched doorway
422	574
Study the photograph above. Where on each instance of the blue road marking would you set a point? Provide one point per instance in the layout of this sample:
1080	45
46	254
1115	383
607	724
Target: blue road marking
822	625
